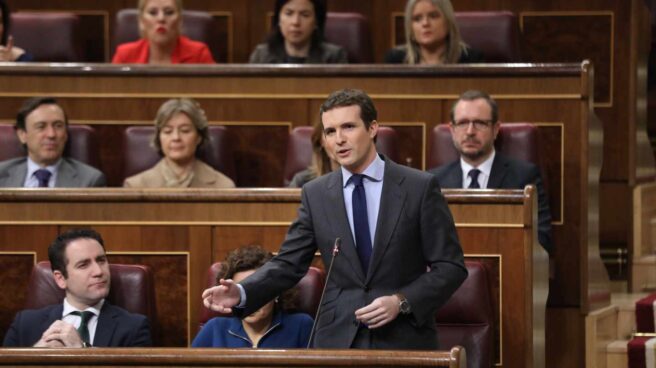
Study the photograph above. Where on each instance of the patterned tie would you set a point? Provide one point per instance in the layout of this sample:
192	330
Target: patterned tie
43	176
83	330
361	222
473	174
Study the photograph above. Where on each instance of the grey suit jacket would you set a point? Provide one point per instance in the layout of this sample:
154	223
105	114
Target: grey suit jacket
116	327
71	174
507	173
326	53
414	232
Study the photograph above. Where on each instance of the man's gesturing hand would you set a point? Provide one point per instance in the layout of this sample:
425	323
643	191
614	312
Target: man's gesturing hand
223	297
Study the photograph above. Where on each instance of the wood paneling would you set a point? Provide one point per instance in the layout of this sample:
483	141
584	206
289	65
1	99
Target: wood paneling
15	269
179	233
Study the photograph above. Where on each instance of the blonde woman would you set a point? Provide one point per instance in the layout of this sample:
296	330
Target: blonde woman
432	36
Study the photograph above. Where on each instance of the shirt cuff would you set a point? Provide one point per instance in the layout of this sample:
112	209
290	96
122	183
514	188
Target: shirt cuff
242	295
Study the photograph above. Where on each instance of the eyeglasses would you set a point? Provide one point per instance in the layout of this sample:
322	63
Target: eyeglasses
478	124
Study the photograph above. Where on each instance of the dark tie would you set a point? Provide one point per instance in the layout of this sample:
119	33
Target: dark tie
83	330
473	174
361	222
43	176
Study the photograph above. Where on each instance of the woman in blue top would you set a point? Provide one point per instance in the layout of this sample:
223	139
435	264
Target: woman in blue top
269	327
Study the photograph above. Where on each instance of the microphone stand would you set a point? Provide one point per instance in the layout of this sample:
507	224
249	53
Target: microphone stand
338	243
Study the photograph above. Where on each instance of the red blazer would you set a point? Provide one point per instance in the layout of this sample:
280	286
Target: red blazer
186	52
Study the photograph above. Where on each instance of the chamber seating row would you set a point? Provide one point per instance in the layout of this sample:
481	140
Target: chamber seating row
495	33
466	319
518	140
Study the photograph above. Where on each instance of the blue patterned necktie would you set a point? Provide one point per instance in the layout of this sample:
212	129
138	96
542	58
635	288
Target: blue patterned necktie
473	174
43	176
361	222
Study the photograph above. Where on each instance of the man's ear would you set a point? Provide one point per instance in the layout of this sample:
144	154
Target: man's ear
60	279
373	128
22	135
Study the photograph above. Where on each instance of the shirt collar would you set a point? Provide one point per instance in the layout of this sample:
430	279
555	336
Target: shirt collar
95	309
33	166
237	328
485	167
375	171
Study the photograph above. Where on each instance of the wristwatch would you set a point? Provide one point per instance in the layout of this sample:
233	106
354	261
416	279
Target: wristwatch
404	304
85	344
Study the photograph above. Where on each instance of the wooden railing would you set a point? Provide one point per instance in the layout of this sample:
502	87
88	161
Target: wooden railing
167	357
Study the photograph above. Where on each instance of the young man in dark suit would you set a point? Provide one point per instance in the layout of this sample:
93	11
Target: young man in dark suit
85	318
400	258
474	127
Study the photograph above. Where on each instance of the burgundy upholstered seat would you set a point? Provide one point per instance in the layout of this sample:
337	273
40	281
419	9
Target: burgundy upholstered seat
351	31
516	140
307	299
494	33
138	155
467	319
299	149
197	25
48	36
82	144
132	288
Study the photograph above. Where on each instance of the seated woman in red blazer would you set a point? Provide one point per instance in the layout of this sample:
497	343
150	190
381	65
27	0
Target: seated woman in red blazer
160	23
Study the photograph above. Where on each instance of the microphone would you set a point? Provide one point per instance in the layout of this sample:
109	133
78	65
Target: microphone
338	244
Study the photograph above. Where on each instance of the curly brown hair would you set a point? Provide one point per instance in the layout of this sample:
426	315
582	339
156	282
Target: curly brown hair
252	257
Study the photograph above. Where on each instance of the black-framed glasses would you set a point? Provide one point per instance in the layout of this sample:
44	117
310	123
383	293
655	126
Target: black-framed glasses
478	124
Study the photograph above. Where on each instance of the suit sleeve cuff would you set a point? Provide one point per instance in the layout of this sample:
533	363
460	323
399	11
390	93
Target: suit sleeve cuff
242	295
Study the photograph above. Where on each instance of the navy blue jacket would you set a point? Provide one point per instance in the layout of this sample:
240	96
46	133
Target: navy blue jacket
287	331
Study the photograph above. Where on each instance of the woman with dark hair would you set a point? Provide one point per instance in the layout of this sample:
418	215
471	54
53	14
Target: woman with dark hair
9	52
297	36
432	36
269	327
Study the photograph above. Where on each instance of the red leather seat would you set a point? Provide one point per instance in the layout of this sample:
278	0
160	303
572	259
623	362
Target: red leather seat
138	155
132	288
351	31
307	300
197	25
299	149
467	319
48	36
82	144
494	33
517	140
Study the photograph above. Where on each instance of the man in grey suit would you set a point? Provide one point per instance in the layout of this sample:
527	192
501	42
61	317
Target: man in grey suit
474	127
41	126
400	258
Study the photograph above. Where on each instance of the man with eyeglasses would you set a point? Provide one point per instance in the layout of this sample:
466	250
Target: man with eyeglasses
474	127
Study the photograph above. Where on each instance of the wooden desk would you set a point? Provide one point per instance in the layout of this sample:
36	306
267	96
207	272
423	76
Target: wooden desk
180	233
163	357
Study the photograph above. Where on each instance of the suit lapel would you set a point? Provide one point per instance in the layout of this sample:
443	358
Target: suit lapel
16	175
499	171
54	314
106	326
392	200
453	176
66	175
335	212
